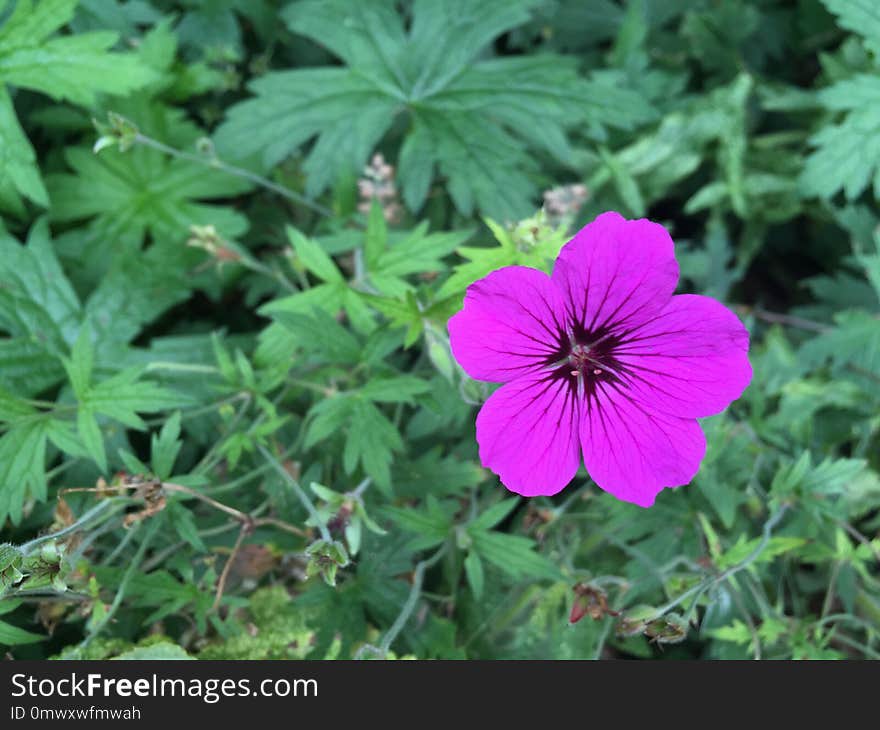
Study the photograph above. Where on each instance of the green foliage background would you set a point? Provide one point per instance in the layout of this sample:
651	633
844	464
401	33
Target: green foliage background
194	291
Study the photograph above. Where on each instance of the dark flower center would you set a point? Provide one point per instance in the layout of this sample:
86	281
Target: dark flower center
586	362
585	358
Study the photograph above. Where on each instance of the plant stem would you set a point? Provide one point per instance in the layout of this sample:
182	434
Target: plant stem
859	536
218	164
237	514
299	492
408	607
224	576
201	410
133	566
89	517
210	458
249	476
361	488
858	646
182	367
786	319
698	590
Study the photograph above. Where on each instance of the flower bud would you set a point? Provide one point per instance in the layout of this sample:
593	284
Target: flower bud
589	600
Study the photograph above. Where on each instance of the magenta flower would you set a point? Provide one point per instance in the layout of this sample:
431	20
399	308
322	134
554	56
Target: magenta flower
599	359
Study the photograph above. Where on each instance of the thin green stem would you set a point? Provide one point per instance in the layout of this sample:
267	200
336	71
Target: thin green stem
698	590
308	385
94	515
193	412
787	320
857	645
606	629
207	462
361	488
251	475
832	585
849	618
249	262
408	607
61	468
298	491
859	536
133	567
182	367
744	612
217	164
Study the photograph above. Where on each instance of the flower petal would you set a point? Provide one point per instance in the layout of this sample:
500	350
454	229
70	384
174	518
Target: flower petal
689	360
632	450
528	434
511	323
615	271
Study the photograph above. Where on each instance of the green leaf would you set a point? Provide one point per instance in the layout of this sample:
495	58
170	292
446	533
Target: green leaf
483	164
848	153
132	463
9	606
514	555
495	514
13	408
432	472
36	300
737	632
22	467
64	436
327	417
626	184
159	590
74	67
245	370
833	476
473	568
25	366
79	365
370	440
471	119
432	526
279	342
328	495
331	296
120	397
184	525
321	335
710	266
224	361
313	257
18	162
774	547
399	389
376	237
318	99
855	340
124	395
415	252
13	636
90	433
136	290
143	191
859	16
165	448
535	242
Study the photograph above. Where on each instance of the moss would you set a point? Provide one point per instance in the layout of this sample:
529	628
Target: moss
97	649
274	628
